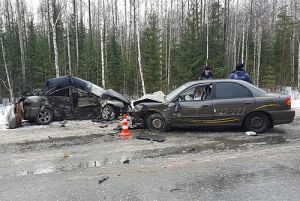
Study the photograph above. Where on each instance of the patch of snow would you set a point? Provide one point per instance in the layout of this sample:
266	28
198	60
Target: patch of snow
3	112
296	103
295	95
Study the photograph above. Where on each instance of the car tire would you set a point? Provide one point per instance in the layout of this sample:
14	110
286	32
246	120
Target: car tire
108	113
44	117
257	122
156	122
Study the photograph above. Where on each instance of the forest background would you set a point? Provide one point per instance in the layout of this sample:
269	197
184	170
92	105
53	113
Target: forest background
141	46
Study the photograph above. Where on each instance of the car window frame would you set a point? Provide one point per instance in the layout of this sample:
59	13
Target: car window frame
50	94
187	89
214	90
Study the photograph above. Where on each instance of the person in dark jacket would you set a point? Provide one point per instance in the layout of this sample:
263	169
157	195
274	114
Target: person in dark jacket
206	73
240	74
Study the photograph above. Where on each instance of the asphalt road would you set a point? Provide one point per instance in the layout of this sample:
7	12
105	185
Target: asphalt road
202	164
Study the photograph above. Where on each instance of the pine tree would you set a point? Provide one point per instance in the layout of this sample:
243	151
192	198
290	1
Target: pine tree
150	55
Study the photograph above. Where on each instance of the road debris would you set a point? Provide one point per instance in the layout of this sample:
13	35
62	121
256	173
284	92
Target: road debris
125	160
96	120
152	138
251	133
103	126
102	179
175	189
63	123
118	128
66	154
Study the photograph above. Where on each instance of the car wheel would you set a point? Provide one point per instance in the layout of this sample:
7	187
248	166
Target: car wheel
44	117
257	122
156	122
108	113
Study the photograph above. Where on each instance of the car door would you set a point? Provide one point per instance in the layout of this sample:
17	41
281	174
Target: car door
85	105
192	111
231	102
60	101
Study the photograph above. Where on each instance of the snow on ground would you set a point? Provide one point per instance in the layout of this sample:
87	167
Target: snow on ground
3	111
296	103
295	95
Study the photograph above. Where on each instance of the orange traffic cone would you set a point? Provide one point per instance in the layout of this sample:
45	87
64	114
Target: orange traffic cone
125	131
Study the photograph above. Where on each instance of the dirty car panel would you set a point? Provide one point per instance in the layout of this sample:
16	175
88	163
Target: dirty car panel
72	98
215	103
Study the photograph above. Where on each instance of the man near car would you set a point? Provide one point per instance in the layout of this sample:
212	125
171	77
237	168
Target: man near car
240	74
206	73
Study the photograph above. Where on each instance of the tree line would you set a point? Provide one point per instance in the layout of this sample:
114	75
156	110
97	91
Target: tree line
138	46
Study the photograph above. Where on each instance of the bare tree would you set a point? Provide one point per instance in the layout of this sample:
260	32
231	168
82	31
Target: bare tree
298	62
76	33
259	38
20	31
139	48
9	87
102	35
53	23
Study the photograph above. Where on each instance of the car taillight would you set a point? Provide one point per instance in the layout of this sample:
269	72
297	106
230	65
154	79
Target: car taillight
288	101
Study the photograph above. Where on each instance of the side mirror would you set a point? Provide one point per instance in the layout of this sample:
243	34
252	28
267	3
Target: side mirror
179	98
176	107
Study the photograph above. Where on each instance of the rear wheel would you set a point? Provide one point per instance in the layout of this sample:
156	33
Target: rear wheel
257	122
44	117
108	113
156	122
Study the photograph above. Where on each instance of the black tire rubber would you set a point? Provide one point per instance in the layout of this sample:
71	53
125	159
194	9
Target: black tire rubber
156	122
108	113
257	122
44	117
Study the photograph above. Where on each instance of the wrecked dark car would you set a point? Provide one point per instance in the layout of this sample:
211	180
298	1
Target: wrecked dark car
214	103
70	97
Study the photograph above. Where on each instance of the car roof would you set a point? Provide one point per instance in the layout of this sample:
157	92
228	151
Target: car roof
255	90
216	80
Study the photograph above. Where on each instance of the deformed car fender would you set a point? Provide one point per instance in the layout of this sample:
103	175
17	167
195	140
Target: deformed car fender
115	103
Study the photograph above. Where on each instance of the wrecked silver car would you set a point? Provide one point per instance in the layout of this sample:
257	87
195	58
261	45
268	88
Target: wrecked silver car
70	97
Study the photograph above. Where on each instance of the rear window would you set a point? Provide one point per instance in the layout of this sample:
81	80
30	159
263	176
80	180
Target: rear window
231	90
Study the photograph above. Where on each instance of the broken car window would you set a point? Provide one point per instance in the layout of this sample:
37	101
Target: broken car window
61	92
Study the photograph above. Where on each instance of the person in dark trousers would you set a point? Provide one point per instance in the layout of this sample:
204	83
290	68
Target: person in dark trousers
206	73
240	74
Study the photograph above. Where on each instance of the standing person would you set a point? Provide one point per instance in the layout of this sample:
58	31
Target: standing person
206	73
240	74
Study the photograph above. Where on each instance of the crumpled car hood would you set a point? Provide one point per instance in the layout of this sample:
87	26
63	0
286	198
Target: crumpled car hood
157	97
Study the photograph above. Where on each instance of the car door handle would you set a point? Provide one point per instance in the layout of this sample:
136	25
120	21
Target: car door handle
205	106
247	103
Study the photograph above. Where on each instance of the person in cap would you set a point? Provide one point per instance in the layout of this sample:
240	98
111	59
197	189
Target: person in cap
206	73
240	74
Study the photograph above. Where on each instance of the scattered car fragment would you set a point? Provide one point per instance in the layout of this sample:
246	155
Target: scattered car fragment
214	103
251	133
102	179
70	97
156	138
